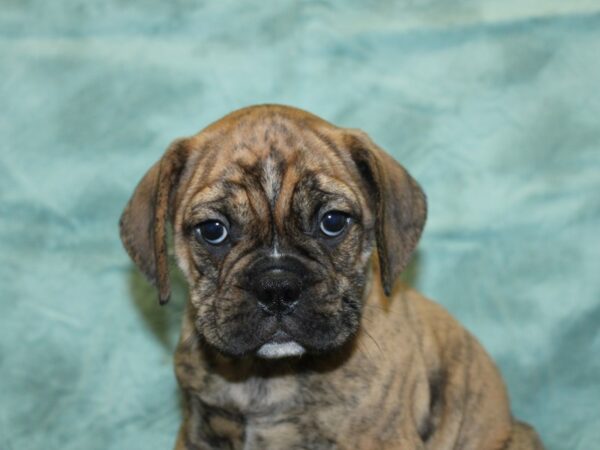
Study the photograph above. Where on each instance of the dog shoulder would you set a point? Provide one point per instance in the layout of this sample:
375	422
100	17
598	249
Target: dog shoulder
432	320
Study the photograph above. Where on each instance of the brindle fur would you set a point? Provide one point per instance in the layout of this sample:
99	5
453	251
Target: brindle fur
391	371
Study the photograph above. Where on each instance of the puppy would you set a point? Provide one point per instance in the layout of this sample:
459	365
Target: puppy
291	233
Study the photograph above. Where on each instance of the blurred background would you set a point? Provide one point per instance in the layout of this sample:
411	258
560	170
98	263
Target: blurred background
494	106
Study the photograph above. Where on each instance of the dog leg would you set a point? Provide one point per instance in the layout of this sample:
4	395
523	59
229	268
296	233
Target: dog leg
524	437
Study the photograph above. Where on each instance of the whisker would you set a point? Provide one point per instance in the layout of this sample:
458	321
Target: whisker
373	339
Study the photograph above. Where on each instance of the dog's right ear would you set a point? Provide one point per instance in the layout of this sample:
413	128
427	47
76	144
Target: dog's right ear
143	224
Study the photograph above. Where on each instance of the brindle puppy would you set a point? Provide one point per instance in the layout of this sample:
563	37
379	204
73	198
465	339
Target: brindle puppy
296	334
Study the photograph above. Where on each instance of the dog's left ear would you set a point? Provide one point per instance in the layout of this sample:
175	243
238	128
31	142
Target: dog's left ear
143	224
400	205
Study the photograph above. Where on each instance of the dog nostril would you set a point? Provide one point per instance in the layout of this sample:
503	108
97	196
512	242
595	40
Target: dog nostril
288	295
277	291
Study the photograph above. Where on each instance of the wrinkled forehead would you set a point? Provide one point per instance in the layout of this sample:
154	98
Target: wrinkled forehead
267	158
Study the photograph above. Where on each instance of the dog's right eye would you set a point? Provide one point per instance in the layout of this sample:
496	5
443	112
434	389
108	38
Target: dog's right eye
212	231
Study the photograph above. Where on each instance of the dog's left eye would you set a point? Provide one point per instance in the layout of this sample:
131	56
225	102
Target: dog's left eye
212	231
333	223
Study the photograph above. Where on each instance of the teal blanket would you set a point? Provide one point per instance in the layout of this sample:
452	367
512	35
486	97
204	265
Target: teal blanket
494	106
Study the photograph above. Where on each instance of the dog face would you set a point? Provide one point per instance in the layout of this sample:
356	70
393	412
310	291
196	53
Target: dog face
274	241
275	213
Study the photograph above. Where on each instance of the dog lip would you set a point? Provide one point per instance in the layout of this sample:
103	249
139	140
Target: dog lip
279	337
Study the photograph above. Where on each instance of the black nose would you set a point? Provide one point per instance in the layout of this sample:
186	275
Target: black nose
277	290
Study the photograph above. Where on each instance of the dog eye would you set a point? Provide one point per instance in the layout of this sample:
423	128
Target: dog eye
212	231
333	223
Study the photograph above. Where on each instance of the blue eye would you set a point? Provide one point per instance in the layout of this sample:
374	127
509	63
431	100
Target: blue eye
333	223
212	231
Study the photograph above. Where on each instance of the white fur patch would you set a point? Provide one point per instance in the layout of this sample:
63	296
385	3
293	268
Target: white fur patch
280	350
275	253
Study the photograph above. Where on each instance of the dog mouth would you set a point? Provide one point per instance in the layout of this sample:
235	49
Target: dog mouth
280	345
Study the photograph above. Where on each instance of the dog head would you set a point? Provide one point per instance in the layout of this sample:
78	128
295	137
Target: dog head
275	214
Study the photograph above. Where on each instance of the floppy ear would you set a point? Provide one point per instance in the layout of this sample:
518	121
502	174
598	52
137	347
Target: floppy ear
143	224
400	205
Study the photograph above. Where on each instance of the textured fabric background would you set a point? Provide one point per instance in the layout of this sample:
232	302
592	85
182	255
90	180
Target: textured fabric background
494	107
